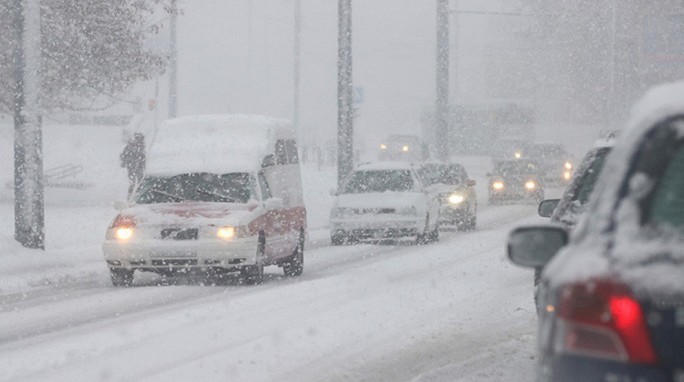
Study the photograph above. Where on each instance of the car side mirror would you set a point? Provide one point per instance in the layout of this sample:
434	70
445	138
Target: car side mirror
121	205
268	161
535	246
274	204
547	207
471	183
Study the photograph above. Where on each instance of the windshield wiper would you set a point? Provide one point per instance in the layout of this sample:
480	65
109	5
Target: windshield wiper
172	196
224	198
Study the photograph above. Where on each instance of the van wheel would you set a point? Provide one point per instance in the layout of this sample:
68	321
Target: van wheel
294	265
254	274
121	277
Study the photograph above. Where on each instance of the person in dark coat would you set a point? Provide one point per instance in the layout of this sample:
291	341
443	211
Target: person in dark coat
133	159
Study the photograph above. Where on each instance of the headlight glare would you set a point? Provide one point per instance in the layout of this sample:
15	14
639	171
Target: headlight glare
124	233
456	198
499	185
226	233
530	185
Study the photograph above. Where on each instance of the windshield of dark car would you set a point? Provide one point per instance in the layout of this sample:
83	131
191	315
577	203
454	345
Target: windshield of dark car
201	187
379	181
589	179
515	168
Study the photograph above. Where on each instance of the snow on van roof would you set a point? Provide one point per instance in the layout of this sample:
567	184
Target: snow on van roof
218	143
388	165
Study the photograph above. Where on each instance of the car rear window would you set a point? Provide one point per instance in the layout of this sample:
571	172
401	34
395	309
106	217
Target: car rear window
667	205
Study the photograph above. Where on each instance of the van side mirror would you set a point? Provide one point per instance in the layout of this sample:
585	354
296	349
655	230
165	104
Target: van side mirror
274	204
535	246
547	207
268	161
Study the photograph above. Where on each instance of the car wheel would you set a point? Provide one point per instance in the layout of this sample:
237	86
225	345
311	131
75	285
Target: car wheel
422	238
337	240
121	277
294	265
254	274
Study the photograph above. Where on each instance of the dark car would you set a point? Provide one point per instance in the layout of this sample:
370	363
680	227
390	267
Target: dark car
571	206
457	196
515	180
555	163
612	300
403	147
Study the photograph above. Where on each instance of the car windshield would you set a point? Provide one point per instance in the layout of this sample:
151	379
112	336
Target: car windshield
379	181
515	168
447	174
201	187
589	179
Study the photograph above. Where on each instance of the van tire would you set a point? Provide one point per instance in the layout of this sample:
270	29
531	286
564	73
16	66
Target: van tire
294	264
254	274
121	277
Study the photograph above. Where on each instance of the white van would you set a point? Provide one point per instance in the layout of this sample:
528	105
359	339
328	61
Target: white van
220	193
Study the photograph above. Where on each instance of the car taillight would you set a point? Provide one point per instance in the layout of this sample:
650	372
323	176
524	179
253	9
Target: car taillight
601	318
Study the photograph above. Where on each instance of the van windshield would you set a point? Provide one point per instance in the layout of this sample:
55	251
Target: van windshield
201	187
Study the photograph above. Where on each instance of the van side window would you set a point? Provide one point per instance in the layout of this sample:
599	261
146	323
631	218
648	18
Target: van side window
292	156
265	190
281	152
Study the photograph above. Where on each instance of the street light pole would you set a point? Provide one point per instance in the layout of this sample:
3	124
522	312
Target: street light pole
442	97
297	60
345	112
29	214
173	63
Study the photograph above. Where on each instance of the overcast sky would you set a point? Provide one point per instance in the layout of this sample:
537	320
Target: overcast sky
237	56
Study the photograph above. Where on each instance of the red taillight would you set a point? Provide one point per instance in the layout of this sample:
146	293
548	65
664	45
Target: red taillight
123	221
600	318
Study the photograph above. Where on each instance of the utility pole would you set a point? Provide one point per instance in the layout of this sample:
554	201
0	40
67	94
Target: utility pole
345	111
442	100
173	63
29	215
297	61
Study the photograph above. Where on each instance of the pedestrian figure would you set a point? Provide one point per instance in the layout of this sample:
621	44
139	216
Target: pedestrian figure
133	159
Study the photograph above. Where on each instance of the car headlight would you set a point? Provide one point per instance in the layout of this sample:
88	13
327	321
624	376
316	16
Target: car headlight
226	233
456	198
229	232
123	233
568	165
383	146
405	148
341	212
498	185
412	211
530	185
517	155
567	175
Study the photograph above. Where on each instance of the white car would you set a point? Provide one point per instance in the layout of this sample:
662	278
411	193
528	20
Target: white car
385	200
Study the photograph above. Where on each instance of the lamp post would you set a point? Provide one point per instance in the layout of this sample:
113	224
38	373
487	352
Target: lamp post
345	112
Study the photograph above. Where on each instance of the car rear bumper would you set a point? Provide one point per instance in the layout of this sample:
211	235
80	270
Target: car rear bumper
572	368
154	254
377	228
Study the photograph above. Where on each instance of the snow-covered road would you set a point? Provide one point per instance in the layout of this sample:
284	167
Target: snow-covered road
454	310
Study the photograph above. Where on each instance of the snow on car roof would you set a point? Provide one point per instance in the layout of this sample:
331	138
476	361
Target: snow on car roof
218	143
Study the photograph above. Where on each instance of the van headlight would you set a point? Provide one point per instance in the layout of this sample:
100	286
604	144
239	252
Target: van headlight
456	199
